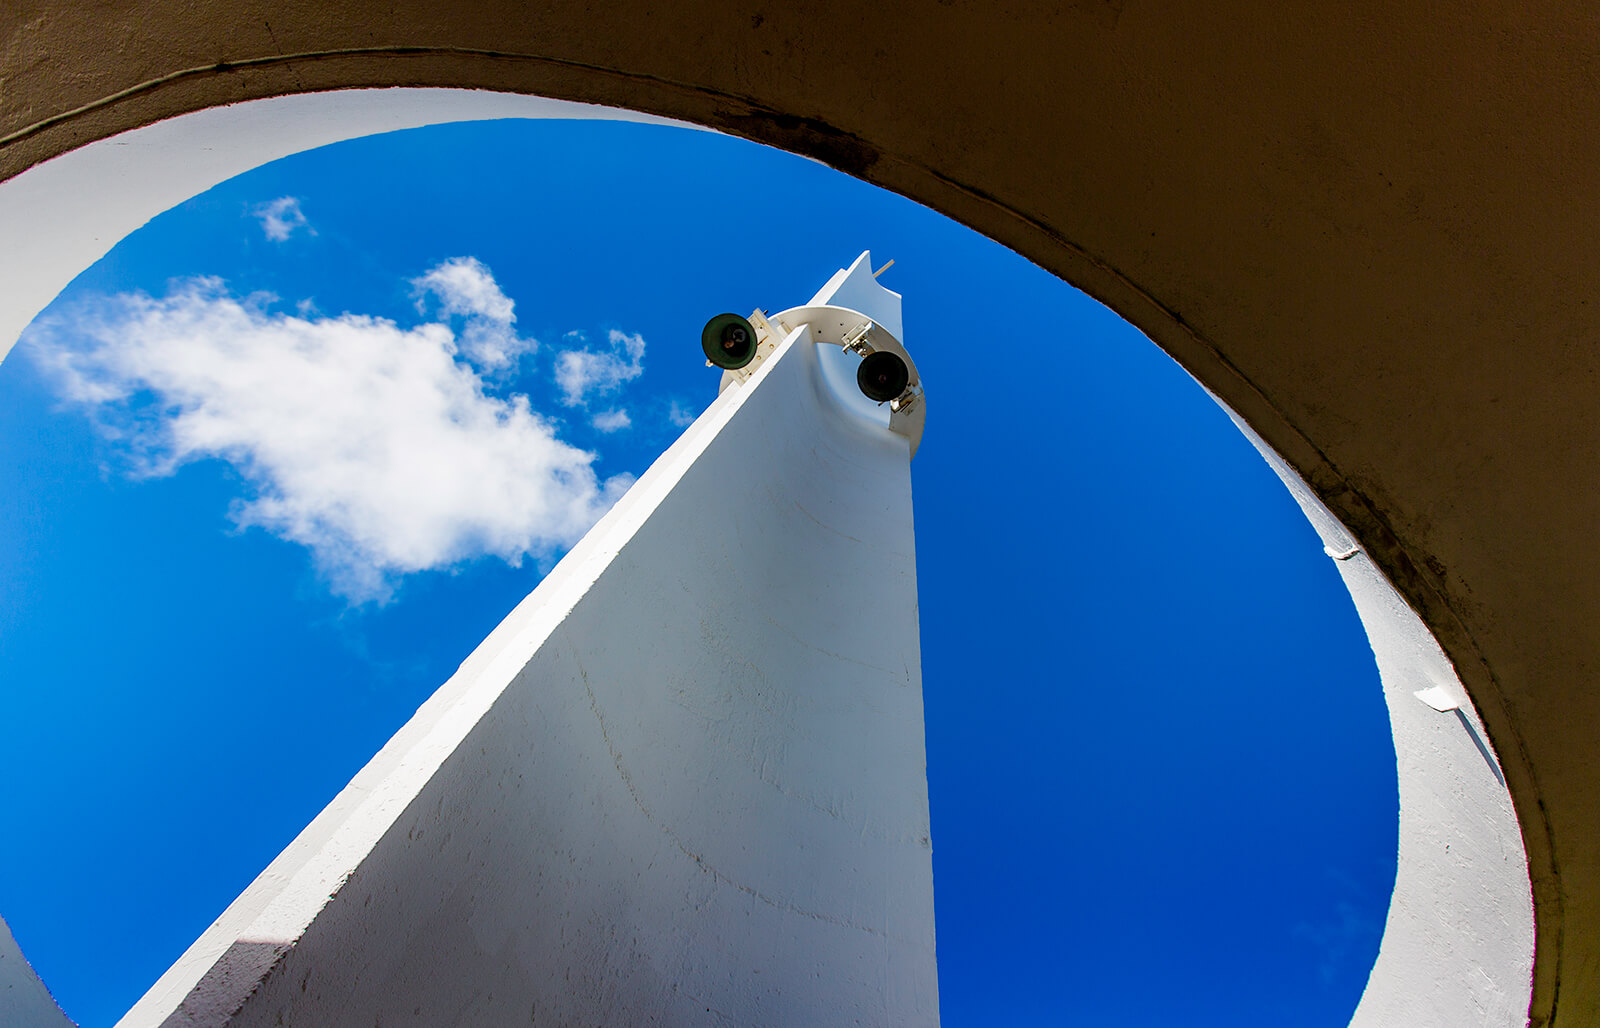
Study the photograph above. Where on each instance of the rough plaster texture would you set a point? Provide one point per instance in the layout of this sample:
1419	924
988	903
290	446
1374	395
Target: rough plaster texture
683	783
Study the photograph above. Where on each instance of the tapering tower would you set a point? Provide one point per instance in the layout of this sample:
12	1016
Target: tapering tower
683	783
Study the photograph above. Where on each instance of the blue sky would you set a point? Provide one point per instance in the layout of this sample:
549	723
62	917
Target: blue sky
1162	785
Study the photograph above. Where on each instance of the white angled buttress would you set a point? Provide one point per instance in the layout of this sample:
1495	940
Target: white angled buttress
683	783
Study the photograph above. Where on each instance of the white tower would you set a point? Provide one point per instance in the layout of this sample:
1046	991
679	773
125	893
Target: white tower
683	783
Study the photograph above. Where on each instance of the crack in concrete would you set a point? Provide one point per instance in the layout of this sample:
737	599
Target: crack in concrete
820	524
826	652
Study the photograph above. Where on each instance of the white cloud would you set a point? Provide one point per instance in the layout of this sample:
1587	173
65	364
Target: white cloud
612	420
367	442
585	373
680	415
280	217
465	288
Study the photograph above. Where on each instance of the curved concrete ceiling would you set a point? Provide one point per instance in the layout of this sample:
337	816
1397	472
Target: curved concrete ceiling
1371	232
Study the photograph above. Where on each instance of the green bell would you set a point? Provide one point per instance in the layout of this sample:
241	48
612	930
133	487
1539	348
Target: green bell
729	341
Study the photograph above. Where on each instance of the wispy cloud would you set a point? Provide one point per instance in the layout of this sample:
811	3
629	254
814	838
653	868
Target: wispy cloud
379	447
1343	933
586	373
680	414
281	217
611	420
464	288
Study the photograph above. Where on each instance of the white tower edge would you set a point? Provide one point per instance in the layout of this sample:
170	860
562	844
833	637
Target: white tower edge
24	1000
684	782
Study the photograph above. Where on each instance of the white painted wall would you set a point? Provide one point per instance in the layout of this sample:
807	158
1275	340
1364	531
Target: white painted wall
683	783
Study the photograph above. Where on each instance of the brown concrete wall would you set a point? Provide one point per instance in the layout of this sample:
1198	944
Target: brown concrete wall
1373	231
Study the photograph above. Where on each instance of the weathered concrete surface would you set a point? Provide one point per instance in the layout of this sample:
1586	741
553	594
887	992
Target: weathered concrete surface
683	783
1371	229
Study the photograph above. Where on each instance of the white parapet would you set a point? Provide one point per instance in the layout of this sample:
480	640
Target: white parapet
683	783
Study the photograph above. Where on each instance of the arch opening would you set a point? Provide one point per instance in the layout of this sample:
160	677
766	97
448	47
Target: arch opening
1440	742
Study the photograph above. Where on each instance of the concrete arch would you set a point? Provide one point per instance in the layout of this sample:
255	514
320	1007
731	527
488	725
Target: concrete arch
1368	233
